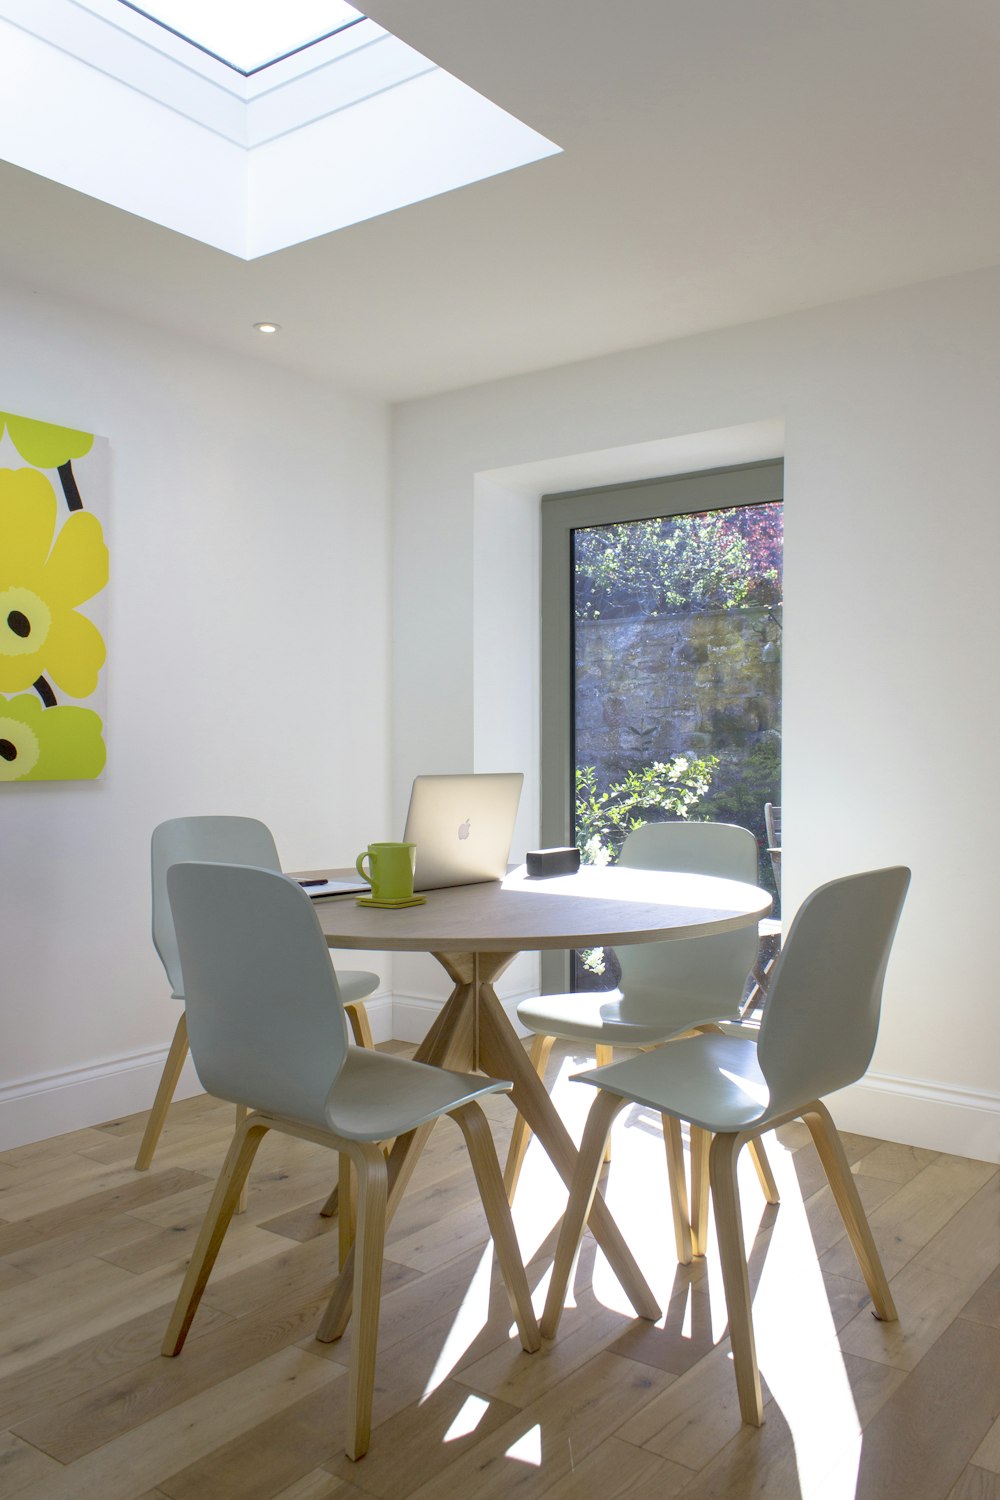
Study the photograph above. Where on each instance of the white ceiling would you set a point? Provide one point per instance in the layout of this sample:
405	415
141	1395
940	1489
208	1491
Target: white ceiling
723	160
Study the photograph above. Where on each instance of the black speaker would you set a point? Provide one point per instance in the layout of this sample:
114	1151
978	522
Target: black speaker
552	861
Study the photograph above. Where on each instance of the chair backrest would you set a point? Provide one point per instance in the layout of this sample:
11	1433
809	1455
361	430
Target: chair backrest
237	841
824	997
264	1015
697	978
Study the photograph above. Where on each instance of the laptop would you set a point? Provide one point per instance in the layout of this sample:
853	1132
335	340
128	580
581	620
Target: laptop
462	827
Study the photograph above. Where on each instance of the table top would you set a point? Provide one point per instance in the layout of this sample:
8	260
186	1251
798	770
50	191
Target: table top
597	906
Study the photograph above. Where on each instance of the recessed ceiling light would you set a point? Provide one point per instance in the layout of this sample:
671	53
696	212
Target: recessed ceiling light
268	327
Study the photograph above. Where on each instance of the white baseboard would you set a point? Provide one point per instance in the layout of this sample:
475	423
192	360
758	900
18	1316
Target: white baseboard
34	1109
940	1117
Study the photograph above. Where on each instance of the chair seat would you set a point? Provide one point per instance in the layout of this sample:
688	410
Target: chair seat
589	1017
356	984
710	1080
379	1096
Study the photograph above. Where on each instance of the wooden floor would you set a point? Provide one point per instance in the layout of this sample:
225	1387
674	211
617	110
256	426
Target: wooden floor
91	1256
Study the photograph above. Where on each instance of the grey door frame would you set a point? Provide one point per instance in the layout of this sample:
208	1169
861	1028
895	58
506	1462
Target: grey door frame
561	515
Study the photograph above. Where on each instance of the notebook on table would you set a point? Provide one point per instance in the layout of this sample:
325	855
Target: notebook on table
462	826
317	888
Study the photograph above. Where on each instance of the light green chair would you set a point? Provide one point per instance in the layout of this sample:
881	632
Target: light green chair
667	989
267	1031
818	1032
238	841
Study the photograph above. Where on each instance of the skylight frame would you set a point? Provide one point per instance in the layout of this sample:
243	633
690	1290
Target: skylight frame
350	128
246	73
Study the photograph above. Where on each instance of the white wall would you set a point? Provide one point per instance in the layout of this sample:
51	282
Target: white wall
891	700
248	530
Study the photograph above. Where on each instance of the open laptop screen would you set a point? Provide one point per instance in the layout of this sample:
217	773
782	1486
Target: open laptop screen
462	827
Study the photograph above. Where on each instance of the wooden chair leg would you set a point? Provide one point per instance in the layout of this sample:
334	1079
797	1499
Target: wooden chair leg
541	1047
370	1166
241	1202
401	1164
764	1174
176	1058
347	1209
732	1256
605	1056
482	1154
357	1015
677	1180
701	1141
361	1029
845	1193
582	1191
214	1225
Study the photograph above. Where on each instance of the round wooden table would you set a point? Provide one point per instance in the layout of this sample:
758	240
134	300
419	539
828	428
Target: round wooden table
475	932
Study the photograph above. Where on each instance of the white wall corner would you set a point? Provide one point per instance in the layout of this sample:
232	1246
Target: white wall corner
939	1117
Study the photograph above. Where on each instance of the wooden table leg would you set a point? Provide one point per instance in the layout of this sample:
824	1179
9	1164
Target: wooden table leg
503	1057
470	1015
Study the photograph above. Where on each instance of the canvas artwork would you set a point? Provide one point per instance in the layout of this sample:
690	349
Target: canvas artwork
53	601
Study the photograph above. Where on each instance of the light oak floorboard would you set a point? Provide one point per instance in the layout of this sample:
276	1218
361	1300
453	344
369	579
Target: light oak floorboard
976	1484
150	1455
616	1471
987	1455
21	1466
40	1155
904	1223
319	1485
984	1305
530	1453
936	1419
33	1226
421	1439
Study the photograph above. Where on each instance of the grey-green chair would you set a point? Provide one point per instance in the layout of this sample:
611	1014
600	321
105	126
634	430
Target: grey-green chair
666	989
817	1034
267	1031
240	841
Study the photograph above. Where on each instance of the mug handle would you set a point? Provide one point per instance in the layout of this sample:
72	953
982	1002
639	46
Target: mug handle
358	863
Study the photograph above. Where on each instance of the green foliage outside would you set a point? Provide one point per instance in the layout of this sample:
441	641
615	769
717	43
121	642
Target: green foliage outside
664	789
604	819
721	559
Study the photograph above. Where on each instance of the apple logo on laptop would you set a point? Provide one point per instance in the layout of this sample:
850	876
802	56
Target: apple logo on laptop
464	829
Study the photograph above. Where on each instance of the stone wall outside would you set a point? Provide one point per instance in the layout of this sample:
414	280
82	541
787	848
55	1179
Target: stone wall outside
650	688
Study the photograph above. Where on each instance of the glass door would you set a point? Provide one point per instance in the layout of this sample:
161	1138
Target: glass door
662	677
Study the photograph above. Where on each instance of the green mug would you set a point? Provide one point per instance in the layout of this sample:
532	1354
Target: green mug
390	870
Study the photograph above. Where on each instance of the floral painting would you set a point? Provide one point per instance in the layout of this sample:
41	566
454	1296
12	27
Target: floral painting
53	592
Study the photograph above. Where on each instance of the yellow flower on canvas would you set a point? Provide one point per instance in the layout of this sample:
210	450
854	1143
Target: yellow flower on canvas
48	744
44	577
43	444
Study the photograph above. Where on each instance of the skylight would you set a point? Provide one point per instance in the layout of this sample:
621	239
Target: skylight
250	125
248	35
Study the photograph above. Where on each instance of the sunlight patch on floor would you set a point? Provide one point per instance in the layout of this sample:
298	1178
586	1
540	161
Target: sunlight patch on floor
527	1449
797	1348
467	1418
470	1319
